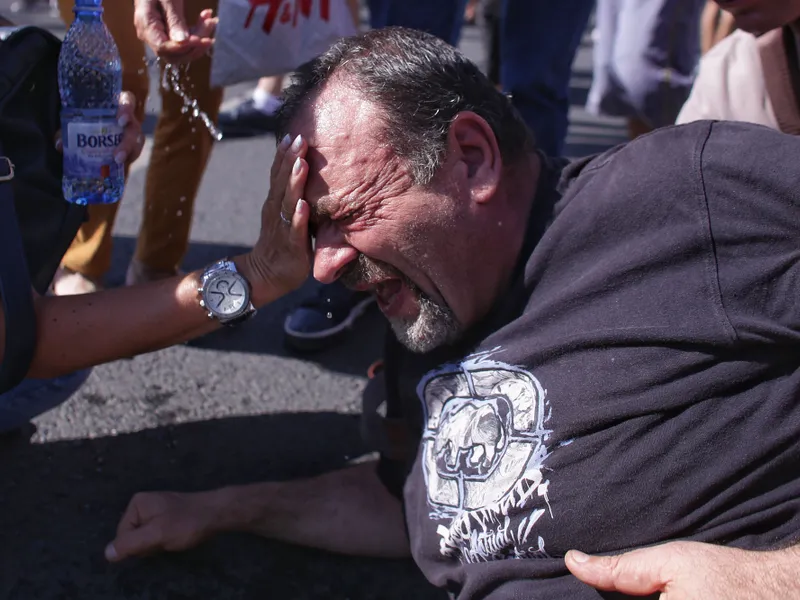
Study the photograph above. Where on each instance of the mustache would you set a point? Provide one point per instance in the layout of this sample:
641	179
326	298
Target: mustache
365	270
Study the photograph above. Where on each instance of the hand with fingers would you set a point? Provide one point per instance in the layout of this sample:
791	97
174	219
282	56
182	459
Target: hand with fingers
281	259
132	138
692	571
161	24
163	521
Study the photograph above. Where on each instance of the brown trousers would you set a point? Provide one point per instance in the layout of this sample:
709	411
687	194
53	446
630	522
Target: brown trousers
181	148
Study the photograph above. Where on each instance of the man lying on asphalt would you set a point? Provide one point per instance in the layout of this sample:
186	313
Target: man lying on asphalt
598	356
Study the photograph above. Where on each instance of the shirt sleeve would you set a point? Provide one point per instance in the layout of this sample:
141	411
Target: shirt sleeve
730	85
751	177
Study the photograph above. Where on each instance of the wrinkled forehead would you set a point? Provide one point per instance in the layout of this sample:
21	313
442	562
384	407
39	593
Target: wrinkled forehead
346	149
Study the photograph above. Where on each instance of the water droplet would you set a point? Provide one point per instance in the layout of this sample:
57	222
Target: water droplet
330	315
140	71
179	213
194	147
166	148
171	81
194	129
182	198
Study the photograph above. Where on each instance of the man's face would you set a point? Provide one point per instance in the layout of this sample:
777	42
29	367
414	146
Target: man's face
760	16
375	229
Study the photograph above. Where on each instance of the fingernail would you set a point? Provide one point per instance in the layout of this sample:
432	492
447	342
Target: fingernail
59	145
120	157
298	208
297	165
287	139
178	35
123	120
578	556
111	553
298	141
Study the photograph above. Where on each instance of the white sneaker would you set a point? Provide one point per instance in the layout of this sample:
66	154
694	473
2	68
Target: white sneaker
70	283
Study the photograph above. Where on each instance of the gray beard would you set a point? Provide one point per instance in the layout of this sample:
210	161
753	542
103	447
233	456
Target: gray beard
434	326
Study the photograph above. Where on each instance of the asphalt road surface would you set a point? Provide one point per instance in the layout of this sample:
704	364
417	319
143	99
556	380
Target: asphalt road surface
233	407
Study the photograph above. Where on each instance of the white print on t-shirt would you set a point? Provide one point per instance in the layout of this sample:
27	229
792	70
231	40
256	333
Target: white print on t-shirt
482	455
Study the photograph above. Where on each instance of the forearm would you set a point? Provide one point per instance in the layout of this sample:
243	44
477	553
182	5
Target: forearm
75	332
779	572
348	511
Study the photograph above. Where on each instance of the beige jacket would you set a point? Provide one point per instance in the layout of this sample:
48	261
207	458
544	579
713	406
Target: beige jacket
730	85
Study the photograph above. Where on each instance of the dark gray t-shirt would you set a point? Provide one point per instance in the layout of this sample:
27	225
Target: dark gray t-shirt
639	382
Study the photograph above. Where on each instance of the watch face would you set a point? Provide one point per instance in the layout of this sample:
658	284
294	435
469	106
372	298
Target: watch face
226	294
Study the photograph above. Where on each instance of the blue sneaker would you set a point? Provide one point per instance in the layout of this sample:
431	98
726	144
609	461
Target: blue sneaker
322	319
33	397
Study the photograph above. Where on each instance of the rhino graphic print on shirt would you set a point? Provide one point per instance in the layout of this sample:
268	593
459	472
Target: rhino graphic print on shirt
483	448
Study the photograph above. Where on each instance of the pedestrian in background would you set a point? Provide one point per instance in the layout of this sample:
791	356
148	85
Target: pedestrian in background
645	57
749	78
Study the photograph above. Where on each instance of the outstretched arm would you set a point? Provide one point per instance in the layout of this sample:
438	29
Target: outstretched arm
80	331
348	511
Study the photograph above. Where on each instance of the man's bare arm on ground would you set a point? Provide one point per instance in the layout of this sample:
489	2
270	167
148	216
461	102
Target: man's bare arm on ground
348	511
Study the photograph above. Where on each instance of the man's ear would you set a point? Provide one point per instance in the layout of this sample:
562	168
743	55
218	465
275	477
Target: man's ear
473	148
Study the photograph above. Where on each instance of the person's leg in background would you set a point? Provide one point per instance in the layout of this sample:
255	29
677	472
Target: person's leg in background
89	257
255	115
442	18
378	12
652	48
537	47
490	12
181	148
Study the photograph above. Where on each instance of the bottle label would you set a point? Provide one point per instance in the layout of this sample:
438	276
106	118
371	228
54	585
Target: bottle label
89	148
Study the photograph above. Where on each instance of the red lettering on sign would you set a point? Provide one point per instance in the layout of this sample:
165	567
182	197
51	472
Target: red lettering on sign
291	9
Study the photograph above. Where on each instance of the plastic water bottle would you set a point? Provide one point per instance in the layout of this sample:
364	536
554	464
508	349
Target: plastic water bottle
90	82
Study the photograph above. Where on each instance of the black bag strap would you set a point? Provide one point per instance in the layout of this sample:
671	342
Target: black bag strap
15	289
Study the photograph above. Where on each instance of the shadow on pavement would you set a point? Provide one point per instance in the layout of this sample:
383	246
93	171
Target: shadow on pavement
352	355
60	503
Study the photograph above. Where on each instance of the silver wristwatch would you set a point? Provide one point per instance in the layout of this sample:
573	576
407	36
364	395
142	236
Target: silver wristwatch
225	293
